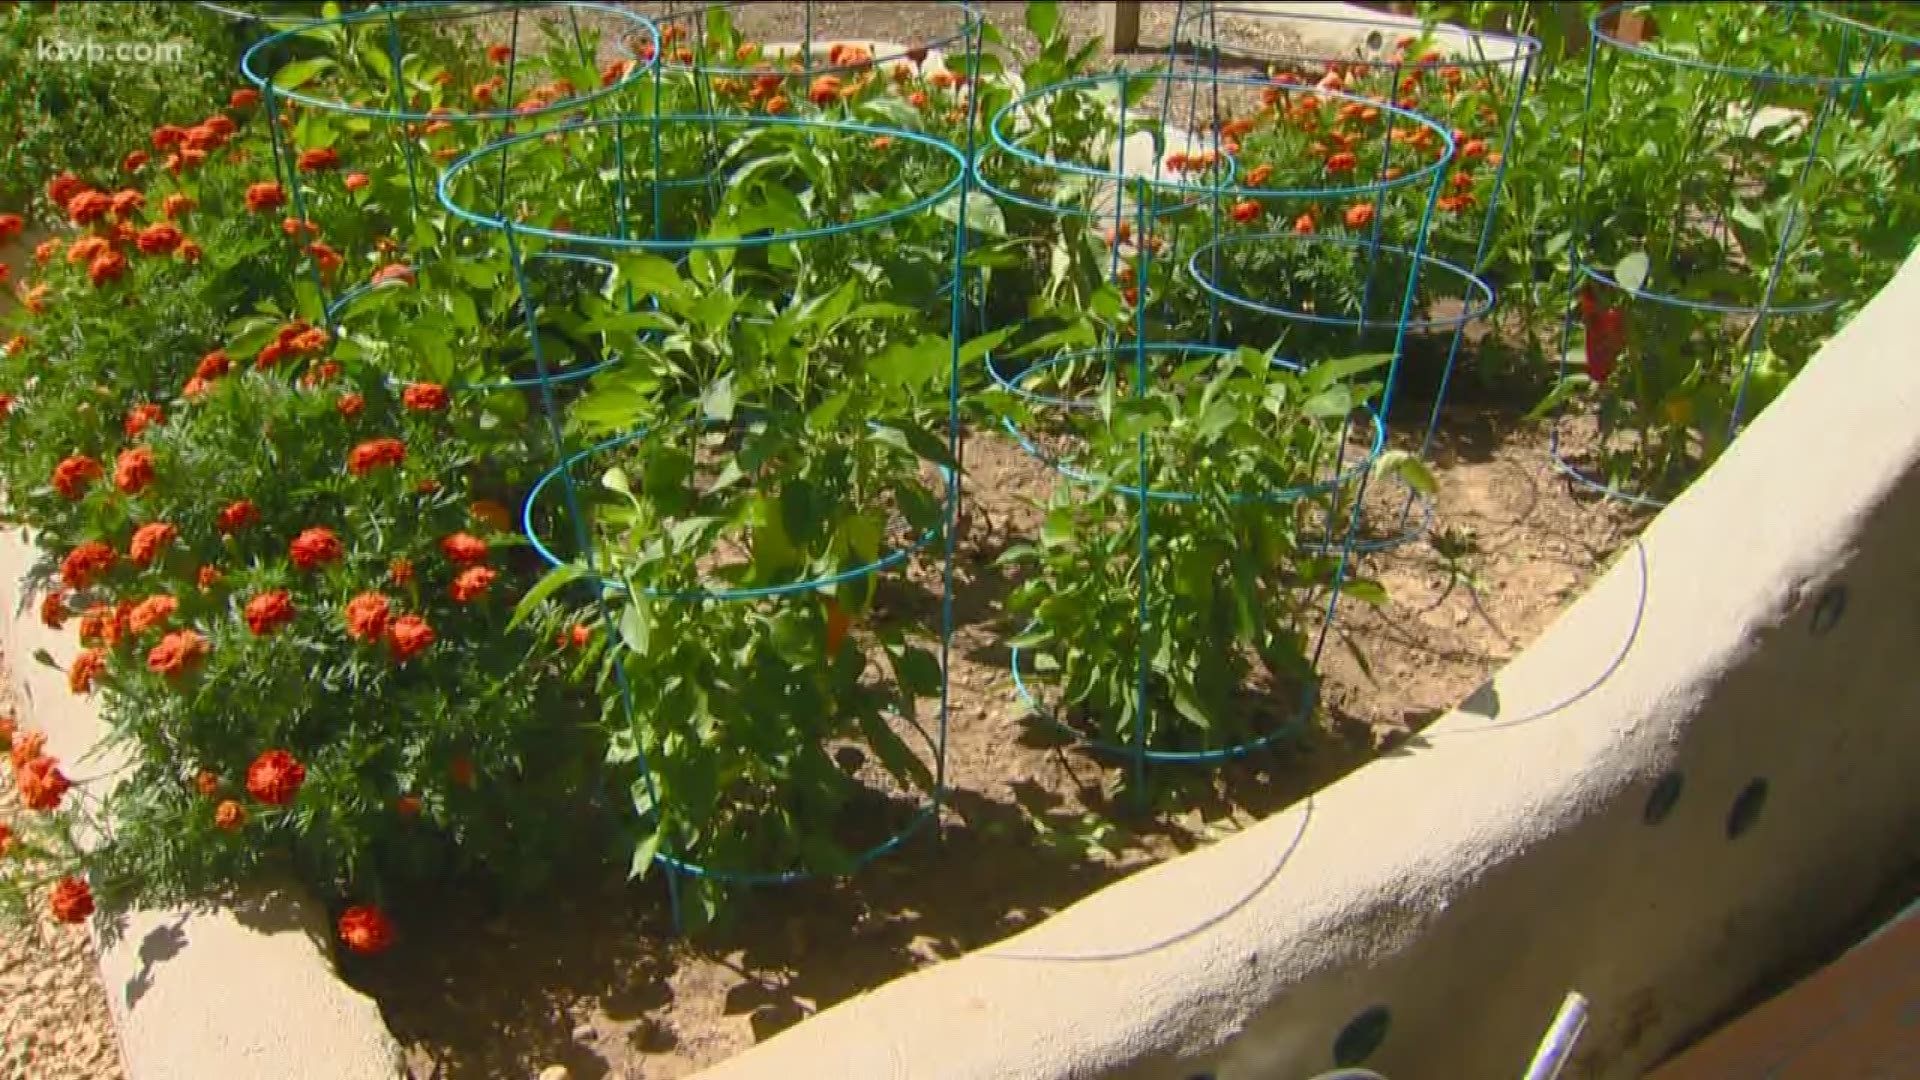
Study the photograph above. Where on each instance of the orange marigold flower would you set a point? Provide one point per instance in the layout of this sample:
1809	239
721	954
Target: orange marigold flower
269	612
318	159
777	105
24	746
464	548
1473	149
177	652
1344	161
107	267
133	470
1259	175
128	203
159	238
356	180
148	540
151	613
11	225
1246	210
376	454
16	345
472	583
408	637
244	98
400	571
1303	224
85	563
6	839
350	404
73	475
275	777
1359	215
265	196
238	515
53	609
825	90
229	816
491	514
315	547
70	901
365	930
45	250
141	417
368	616
499	54
207	577
63	188
41	785
323	254
213	365
407	806
88	207
86	249
35	299
206	782
424	397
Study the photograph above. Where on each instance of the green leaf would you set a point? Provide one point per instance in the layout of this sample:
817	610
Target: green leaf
557	578
718	401
650	274
636	623
1631	272
983	214
1408	467
615	479
1367	592
643	856
301	72
1043	18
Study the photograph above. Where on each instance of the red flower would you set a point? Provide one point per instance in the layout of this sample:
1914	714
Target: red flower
85	563
424	397
133	470
1359	215
408	637
376	454
315	547
6	839
269	612
1260	175
148	540
128	203
151	613
1344	161
499	54
365	930
265	196
70	901
356	180
11	225
213	365
24	746
1246	210
1303	224
142	417
238	515
72	476
87	667
472	583
400	571
53	609
207	783
61	189
88	207
244	98
460	770
368	616
229	816
41	784
318	159
464	548
1606	334
275	777
407	806
350	405
324	255
207	577
176	652
106	267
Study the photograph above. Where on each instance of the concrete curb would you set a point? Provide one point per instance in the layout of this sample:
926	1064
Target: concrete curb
236	991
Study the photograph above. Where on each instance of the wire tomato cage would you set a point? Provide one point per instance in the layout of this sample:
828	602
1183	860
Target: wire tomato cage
1471	83
1182	211
775	367
1733	199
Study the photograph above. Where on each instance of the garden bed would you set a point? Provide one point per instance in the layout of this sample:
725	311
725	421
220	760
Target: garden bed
596	981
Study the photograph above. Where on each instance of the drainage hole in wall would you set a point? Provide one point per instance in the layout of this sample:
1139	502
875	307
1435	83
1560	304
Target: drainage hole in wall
1746	808
1828	609
1661	799
1362	1036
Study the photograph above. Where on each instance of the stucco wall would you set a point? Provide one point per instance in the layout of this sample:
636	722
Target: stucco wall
1763	636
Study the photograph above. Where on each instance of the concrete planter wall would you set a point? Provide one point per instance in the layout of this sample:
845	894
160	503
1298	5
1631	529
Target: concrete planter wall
1698	772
